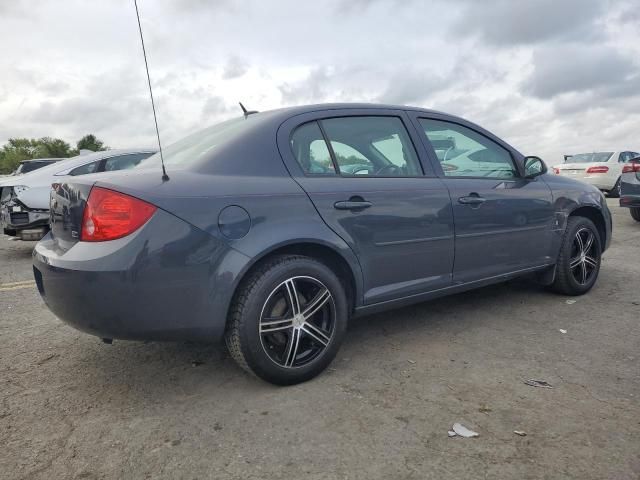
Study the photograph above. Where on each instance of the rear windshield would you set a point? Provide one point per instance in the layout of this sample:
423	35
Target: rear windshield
590	157
27	167
189	150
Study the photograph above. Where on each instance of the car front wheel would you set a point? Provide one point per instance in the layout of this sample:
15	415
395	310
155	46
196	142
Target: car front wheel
288	320
579	259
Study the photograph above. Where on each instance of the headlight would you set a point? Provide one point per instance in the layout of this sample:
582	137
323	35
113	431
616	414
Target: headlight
18	189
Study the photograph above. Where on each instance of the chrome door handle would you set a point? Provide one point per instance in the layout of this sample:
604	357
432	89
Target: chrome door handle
472	200
352	205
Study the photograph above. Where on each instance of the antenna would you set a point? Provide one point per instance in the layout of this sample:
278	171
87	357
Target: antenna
165	177
245	111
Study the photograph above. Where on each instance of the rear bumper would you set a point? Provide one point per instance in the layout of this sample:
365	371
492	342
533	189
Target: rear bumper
599	181
14	217
167	281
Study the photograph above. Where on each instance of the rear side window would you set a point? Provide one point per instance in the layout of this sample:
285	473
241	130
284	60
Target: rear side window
124	162
311	150
625	157
463	152
85	169
375	146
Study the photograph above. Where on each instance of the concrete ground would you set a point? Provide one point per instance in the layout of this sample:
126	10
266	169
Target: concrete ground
72	407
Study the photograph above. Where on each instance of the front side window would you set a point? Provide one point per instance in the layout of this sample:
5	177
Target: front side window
463	152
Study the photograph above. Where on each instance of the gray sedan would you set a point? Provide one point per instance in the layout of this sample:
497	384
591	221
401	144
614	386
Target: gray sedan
630	188
273	229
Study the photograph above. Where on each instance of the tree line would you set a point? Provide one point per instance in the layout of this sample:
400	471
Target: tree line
18	149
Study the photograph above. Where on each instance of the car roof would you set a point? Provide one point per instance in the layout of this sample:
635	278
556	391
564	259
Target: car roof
70	163
301	109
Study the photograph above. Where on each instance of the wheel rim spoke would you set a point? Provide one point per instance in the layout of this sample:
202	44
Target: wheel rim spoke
316	304
588	244
580	242
316	333
575	262
591	261
292	294
292	348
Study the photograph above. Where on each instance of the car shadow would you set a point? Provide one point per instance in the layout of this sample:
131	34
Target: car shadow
191	369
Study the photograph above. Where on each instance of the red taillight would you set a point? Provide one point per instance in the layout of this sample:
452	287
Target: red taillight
110	215
631	168
556	171
602	169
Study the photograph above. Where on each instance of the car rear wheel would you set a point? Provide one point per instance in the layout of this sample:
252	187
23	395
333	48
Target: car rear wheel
288	320
579	260
635	213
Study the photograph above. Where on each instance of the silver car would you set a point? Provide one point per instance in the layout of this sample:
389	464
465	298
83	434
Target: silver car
24	199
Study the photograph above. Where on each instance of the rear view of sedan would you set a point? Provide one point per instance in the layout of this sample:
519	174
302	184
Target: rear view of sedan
630	188
273	229
600	169
24	199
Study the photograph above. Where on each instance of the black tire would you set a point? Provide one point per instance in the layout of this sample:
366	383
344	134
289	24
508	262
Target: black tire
635	213
615	191
265	347
570	276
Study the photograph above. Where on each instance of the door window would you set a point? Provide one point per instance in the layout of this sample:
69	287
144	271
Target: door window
123	162
85	169
625	157
360	146
463	152
311	150
372	146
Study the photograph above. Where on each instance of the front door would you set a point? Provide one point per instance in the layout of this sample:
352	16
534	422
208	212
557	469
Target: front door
503	221
363	174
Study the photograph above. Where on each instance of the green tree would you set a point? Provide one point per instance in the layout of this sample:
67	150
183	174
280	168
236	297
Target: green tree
18	149
91	142
48	147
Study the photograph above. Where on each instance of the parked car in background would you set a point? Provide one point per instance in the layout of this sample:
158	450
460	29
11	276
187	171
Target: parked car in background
267	235
27	166
24	199
630	187
600	169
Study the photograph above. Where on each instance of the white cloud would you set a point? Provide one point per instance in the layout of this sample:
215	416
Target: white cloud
549	77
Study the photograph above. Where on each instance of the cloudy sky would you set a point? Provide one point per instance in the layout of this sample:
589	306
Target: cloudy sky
549	76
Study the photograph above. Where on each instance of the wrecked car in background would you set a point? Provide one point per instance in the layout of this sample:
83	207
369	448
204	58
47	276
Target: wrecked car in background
24	199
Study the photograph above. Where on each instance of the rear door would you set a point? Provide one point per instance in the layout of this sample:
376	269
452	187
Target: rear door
503	221
363	173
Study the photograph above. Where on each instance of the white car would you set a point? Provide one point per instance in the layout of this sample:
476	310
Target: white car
600	169
24	199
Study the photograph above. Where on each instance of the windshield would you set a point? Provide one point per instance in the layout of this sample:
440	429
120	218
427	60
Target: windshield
190	149
590	157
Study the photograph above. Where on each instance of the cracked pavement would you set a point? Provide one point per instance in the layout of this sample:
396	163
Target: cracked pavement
72	407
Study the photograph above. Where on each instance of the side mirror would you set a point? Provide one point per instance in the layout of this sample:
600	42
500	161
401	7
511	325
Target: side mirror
533	167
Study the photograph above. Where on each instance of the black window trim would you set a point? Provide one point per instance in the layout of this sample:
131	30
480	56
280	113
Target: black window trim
338	173
440	171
